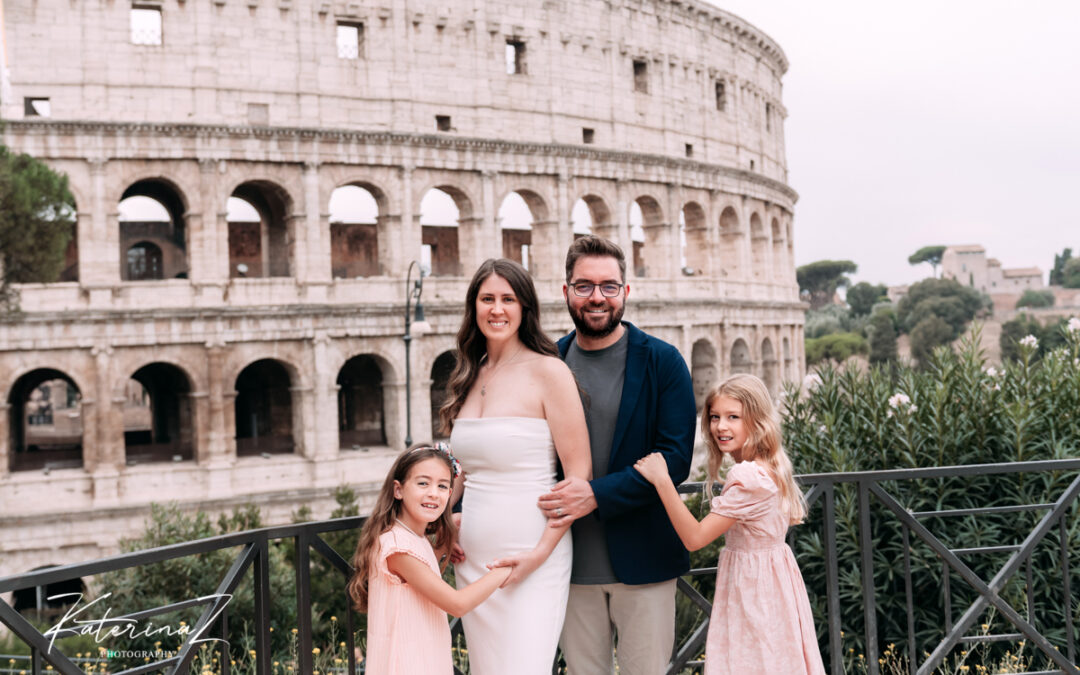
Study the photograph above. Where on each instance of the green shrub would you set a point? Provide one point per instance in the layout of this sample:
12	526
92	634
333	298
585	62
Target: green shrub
882	331
1033	298
959	411
1049	337
945	298
838	347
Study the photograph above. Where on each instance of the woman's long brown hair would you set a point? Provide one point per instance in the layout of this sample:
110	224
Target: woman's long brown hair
471	344
382	517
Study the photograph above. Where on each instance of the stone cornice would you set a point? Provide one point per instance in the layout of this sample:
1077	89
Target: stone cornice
740	27
389	138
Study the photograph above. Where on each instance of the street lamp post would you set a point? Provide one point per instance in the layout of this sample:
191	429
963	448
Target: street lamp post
413	324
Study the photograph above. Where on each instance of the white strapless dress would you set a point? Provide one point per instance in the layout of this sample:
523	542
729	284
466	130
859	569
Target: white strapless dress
510	462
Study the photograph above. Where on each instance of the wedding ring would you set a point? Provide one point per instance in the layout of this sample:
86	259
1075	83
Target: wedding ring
558	511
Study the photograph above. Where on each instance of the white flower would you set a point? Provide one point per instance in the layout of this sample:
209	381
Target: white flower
991	371
996	387
821	428
896	400
888	413
1073	325
1030	341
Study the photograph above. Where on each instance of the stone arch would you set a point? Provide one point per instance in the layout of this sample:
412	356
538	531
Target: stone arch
361	403
355	210
440	377
779	259
646	239
159	415
759	247
266	419
45	421
695	244
703	370
515	220
153	221
769	364
788	373
440	233
730	262
741	361
264	247
602	222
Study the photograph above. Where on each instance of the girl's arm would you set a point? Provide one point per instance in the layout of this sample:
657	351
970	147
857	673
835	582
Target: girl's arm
694	534
566	419
456	601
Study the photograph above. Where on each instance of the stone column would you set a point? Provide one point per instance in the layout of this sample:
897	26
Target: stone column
317	235
545	249
94	258
216	450
323	421
5	439
299	265
674	234
104	455
303	420
622	225
394	415
402	246
489	212
228	409
209	254
557	263
474	244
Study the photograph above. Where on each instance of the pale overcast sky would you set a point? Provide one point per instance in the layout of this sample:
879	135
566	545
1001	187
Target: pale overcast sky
929	122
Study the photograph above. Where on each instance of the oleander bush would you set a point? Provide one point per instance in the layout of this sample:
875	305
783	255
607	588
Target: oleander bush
953	410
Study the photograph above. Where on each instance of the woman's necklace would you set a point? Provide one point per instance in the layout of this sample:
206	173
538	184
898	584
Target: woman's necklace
494	369
402	523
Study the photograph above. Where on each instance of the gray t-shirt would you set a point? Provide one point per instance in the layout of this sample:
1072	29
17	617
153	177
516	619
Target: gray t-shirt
601	374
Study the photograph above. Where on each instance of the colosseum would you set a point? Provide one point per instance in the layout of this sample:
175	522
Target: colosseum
254	179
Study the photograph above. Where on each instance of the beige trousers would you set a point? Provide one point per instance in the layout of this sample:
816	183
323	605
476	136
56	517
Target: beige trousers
633	624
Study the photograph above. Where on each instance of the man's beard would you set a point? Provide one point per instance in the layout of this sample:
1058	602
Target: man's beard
582	324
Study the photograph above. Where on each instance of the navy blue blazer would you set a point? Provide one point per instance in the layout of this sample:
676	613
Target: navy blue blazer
656	414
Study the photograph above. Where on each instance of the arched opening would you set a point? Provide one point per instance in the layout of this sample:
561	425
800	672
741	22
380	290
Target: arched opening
591	215
48	601
144	262
515	220
740	357
440	218
768	366
264	409
702	370
759	246
153	233
779	259
354	235
693	240
440	378
730	262
361	416
581	219
646	217
260	240
158	418
45	421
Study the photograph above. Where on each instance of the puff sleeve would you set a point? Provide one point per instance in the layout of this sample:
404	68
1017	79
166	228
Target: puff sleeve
393	542
747	493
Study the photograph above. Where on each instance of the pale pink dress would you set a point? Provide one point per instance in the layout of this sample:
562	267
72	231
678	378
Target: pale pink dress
407	634
761	620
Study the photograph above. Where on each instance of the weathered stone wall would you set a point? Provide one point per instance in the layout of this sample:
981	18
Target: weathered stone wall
177	115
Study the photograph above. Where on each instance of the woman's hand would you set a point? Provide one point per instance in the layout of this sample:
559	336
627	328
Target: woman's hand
653	468
522	566
457	554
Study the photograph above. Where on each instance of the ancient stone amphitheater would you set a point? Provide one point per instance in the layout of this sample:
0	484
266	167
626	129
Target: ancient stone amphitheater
226	331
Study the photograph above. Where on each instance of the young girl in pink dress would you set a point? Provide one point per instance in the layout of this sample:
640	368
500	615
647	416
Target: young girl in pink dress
761	620
397	578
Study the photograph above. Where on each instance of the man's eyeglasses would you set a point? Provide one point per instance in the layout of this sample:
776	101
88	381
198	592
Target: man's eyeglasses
608	290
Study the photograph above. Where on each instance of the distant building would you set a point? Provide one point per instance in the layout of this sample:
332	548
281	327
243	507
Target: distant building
969	265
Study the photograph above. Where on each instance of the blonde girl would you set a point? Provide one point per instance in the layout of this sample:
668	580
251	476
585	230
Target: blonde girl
397	576
761	620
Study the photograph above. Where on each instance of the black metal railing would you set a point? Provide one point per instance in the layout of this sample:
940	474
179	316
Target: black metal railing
821	492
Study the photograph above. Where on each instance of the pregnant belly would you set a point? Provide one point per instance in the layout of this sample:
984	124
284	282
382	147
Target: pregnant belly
501	520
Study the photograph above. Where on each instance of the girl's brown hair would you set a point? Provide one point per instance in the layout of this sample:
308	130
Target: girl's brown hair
763	440
386	511
471	344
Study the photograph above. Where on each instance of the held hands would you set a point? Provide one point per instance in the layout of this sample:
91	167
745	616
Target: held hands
457	554
568	500
653	468
520	566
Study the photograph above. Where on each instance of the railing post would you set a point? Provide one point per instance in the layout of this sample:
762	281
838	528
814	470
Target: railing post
303	602
909	597
866	541
1067	591
832	581
261	581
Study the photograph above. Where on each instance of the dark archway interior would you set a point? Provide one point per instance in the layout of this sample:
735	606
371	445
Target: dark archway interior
361	420
264	419
45	422
168	434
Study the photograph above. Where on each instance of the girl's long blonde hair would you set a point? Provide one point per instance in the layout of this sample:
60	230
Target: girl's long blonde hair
763	440
386	511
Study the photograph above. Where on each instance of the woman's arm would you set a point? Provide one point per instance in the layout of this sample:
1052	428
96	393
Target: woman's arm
694	534
456	601
566	419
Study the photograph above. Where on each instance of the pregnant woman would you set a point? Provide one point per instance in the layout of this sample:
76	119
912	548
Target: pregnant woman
514	411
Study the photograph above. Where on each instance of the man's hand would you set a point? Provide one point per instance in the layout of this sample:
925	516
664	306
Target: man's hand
568	500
